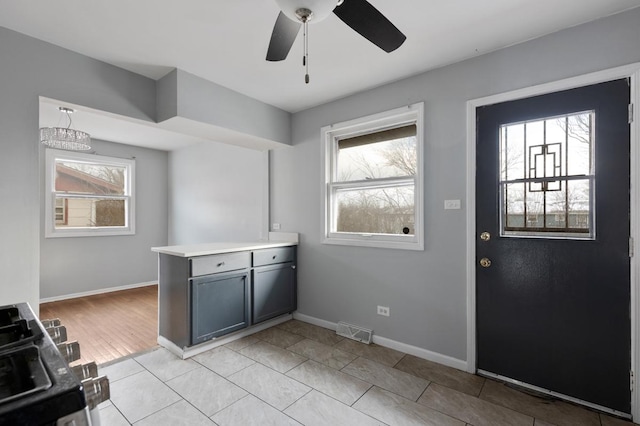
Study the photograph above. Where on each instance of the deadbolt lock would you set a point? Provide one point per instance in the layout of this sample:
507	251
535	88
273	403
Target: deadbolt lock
485	236
485	262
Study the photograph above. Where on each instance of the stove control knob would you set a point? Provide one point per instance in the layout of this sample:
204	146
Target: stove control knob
58	334
70	351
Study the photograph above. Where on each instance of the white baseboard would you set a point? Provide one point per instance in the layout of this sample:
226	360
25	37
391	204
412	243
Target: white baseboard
315	321
94	292
393	344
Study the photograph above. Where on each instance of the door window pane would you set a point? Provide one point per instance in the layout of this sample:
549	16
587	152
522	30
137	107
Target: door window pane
546	169
512	152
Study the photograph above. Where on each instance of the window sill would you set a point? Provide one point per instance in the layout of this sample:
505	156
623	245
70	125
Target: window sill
69	233
368	242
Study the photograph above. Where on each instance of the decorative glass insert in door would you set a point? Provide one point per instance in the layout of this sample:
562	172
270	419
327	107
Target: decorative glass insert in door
547	177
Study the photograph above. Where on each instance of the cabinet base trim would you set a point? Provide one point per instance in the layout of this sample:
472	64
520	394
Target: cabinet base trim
188	352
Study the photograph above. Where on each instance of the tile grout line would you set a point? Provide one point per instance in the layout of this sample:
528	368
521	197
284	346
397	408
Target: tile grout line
260	399
228	406
360	397
118	410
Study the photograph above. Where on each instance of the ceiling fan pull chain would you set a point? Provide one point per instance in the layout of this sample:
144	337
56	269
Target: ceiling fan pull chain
305	58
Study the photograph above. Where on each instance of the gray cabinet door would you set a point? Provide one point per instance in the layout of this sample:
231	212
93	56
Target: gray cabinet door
274	291
219	305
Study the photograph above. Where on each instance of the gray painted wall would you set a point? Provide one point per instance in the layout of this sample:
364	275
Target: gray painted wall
30	68
85	264
217	192
426	291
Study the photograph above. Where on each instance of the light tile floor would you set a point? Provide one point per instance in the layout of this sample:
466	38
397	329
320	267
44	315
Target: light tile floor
300	374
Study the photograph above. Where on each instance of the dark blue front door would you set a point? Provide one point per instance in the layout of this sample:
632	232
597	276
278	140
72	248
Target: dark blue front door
553	274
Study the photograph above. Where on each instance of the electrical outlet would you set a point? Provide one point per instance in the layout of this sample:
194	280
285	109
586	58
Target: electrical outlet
276	226
383	310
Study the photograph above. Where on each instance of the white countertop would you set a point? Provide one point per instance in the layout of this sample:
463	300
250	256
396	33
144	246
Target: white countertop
191	250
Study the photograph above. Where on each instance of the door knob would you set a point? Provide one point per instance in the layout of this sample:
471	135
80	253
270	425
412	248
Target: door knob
485	236
485	262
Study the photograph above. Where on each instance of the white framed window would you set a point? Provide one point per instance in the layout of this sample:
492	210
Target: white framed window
372	180
88	195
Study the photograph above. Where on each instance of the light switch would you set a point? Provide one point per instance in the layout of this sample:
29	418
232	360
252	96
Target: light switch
452	204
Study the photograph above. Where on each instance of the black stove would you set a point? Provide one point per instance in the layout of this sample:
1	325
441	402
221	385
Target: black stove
37	386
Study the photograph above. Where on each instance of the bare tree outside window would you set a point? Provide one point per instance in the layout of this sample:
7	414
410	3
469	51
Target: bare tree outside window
386	207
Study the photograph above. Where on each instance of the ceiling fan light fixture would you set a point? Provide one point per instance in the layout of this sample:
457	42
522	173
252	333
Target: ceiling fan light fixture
321	9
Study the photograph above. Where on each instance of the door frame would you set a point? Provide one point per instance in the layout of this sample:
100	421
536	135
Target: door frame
631	71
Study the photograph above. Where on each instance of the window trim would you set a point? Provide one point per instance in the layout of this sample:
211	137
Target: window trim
53	155
411	114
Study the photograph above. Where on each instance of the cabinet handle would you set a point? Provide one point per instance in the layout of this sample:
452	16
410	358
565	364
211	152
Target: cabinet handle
220	264
274	257
293	266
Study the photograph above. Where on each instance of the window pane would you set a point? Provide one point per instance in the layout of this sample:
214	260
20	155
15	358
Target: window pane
92	212
514	205
387	158
376	211
579	144
512	155
86	178
556	209
578	205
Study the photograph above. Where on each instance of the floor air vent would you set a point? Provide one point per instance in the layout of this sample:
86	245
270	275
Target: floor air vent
354	332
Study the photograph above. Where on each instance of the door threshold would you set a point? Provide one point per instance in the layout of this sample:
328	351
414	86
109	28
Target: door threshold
558	395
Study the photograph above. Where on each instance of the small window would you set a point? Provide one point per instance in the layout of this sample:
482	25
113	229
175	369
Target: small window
88	194
373	180
547	177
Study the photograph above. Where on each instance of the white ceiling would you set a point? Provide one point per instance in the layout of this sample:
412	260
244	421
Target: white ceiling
226	41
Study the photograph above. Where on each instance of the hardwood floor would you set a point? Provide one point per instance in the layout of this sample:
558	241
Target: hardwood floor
111	325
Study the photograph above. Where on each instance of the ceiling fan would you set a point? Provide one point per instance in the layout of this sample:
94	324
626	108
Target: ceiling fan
360	15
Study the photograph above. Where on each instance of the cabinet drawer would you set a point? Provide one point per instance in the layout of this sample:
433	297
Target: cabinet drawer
205	265
273	255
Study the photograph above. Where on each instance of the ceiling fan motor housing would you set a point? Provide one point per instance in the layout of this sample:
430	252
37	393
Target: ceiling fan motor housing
320	9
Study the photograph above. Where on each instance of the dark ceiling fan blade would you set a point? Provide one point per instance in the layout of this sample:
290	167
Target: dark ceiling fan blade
367	21
282	38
